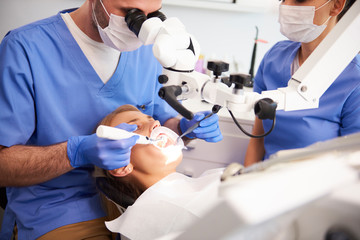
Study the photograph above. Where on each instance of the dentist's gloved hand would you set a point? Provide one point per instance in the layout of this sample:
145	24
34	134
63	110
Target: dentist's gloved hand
104	153
208	129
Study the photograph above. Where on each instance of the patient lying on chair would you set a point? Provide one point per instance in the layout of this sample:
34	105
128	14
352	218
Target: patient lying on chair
157	200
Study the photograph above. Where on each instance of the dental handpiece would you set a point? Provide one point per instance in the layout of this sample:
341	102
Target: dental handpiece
117	134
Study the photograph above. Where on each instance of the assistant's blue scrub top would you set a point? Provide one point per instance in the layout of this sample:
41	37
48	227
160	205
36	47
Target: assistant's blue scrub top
50	92
339	108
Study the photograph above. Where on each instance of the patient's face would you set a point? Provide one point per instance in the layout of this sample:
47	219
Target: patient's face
147	158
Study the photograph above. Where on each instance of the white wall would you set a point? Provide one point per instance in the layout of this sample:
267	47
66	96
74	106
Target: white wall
15	13
221	34
229	35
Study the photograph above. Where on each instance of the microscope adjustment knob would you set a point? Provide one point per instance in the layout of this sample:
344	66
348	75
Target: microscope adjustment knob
239	79
218	67
265	108
163	79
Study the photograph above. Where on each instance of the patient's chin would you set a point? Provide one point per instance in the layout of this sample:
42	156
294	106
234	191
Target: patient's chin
172	155
154	160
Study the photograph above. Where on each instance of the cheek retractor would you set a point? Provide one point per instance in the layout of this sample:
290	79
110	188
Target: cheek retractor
167	138
161	141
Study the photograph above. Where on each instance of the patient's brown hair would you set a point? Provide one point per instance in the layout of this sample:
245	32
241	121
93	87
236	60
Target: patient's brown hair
124	108
117	189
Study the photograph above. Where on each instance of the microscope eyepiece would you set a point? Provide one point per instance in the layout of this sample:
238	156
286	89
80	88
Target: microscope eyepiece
157	14
134	19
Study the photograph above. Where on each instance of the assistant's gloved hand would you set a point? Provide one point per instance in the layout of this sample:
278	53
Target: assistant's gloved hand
104	153
208	129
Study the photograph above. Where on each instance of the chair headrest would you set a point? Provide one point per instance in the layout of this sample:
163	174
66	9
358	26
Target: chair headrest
112	193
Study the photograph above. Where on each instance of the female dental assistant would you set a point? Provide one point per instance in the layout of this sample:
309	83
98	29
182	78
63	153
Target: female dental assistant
306	23
58	77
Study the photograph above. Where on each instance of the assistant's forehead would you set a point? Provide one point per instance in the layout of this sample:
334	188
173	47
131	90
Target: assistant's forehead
130	117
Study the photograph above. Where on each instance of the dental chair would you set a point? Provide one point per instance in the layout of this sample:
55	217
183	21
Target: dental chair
112	193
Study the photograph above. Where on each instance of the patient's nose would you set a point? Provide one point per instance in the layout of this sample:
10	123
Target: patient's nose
153	125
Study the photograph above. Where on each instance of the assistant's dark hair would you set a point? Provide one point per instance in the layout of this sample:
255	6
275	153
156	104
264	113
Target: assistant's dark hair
348	4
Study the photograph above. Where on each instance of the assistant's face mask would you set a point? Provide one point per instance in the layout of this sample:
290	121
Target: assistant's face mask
117	34
296	23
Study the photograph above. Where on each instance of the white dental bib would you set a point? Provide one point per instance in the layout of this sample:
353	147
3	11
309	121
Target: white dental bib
169	206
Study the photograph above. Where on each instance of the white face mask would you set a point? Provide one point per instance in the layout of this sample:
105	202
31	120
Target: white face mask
296	23
117	34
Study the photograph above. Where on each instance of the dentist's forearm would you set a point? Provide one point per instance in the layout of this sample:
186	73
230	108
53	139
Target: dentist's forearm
28	165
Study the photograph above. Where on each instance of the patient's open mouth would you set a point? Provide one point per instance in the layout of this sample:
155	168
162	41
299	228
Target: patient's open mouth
164	137
164	141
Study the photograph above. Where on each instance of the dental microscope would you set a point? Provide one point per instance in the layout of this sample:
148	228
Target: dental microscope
249	210
178	51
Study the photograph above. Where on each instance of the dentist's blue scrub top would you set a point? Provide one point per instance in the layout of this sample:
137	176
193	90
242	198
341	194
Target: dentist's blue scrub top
50	92
339	108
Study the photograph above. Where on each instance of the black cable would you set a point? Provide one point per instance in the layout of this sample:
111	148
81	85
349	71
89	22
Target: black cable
248	134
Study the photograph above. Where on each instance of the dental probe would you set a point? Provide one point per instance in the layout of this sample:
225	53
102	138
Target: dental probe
117	134
192	128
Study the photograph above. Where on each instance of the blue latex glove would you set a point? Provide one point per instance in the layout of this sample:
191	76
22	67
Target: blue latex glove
104	153
208	129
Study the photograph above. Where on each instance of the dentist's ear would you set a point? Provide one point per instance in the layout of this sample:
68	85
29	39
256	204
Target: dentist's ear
122	172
